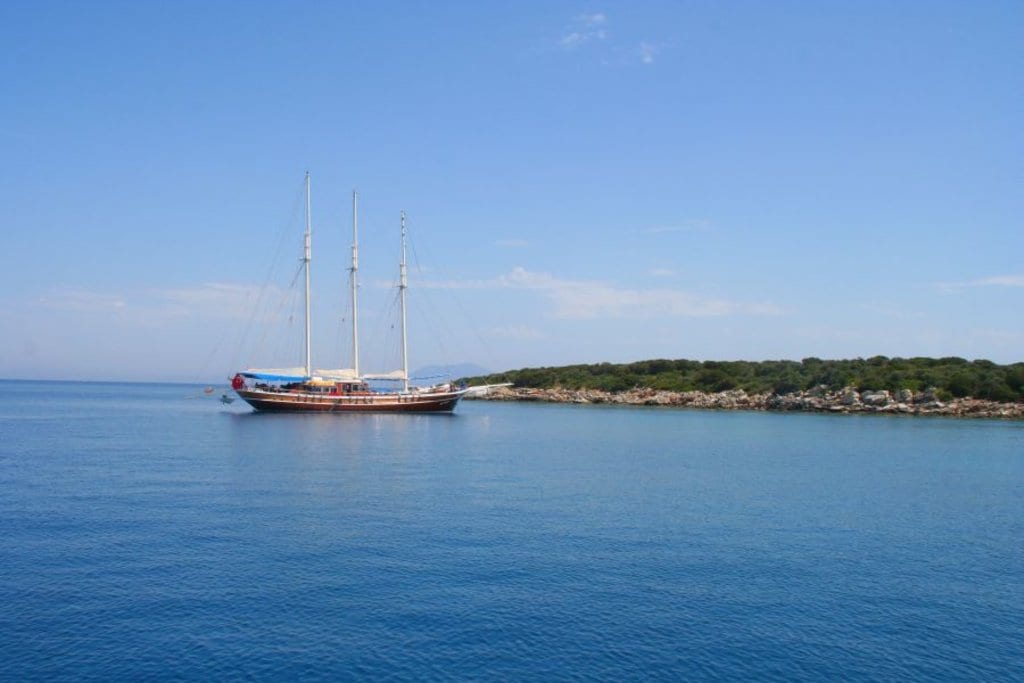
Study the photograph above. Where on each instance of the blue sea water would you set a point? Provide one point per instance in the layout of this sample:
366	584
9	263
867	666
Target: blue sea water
147	533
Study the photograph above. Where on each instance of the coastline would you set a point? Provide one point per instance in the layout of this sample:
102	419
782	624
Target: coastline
817	400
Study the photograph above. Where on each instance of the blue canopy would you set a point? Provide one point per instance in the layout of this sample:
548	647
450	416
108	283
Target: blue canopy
274	378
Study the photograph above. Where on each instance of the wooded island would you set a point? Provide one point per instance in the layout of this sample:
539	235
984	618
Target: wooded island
945	386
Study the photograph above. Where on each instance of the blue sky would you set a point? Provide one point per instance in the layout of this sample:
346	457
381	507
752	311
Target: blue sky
585	182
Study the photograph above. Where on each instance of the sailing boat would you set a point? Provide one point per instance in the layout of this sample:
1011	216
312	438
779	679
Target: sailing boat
344	391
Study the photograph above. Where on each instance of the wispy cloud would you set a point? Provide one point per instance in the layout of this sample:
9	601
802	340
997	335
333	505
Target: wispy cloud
691	225
994	281
210	300
519	332
584	299
890	311
584	29
82	301
662	272
593	29
999	337
214	299
1000	281
647	52
512	243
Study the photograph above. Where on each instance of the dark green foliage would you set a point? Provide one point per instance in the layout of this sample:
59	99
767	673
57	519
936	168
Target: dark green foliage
1015	377
953	377
962	383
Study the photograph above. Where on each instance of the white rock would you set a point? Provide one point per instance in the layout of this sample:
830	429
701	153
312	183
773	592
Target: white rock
875	398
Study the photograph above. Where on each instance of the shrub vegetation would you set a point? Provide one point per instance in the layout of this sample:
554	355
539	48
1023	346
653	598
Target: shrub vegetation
953	377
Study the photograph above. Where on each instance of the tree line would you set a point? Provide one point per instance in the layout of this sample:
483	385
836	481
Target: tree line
951	377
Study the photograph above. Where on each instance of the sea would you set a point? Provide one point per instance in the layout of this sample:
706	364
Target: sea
150	532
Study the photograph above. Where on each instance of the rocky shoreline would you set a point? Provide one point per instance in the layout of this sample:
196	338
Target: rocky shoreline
817	400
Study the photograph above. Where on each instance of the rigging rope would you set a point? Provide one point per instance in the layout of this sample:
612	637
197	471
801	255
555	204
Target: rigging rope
275	257
484	346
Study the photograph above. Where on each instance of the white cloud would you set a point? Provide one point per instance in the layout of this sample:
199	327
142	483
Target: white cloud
518	332
890	311
592	29
584	29
571	40
662	272
219	297
692	225
82	301
520	278
584	299
994	281
210	300
512	243
647	51
1000	338
1000	281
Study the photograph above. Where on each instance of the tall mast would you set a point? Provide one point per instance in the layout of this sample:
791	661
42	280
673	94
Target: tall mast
403	284
355	284
305	266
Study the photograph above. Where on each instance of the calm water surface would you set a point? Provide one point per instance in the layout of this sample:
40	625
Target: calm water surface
146	535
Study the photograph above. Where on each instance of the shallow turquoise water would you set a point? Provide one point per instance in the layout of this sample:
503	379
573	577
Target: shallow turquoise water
143	535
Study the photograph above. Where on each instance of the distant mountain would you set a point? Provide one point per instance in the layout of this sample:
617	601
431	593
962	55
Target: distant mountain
455	371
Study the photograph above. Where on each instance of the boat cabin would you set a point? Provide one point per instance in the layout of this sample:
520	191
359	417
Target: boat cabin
330	387
354	388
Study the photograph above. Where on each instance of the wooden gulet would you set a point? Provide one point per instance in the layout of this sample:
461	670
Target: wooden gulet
347	390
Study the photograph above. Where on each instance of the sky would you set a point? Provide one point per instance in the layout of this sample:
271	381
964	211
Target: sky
584	182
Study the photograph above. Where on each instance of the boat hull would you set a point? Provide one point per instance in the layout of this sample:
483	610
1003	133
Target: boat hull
292	402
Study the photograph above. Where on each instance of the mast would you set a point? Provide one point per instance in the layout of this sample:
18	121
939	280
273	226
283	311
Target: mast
354	282
403	284
305	266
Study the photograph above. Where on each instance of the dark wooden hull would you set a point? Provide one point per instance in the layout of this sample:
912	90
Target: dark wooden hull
289	402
